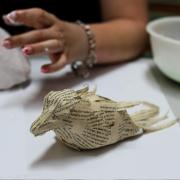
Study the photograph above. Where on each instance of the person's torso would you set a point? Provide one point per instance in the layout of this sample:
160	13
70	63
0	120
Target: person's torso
162	8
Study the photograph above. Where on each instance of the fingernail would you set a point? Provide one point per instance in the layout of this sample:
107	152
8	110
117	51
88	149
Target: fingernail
7	44
13	15
4	16
6	20
27	51
44	69
11	19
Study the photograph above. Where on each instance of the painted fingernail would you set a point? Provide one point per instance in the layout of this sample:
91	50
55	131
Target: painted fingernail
27	51
11	19
7	44
12	15
5	20
44	69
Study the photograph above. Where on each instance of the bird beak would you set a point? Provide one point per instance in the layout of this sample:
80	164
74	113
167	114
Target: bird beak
42	124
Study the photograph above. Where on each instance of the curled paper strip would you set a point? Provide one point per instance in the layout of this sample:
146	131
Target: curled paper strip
83	120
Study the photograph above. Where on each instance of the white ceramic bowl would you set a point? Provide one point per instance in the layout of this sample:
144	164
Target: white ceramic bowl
165	42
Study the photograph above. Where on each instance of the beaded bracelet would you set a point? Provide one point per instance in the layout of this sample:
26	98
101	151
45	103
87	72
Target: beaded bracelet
81	67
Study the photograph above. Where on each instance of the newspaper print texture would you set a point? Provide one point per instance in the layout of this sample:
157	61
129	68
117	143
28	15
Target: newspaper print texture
83	120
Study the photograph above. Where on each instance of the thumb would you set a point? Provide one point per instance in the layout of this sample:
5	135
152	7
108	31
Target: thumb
55	66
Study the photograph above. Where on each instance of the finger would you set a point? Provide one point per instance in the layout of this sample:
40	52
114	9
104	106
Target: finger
49	68
34	17
49	46
6	20
32	37
54	57
9	21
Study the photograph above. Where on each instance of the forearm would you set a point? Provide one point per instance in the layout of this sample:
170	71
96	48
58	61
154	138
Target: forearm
119	40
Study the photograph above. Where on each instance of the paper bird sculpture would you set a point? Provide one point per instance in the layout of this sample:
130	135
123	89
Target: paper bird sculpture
83	120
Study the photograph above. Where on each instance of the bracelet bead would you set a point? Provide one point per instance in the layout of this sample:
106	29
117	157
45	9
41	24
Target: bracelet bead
81	67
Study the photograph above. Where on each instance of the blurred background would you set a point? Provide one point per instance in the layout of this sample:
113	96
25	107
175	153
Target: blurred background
87	11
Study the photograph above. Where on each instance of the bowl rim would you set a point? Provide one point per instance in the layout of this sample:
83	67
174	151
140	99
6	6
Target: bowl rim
150	28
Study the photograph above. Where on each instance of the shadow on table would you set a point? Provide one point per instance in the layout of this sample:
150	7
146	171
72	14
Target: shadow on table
62	156
54	82
170	88
66	80
23	85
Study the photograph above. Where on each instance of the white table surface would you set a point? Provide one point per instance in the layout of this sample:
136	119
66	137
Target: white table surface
154	155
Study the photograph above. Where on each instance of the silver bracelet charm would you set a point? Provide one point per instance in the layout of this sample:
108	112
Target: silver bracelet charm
81	67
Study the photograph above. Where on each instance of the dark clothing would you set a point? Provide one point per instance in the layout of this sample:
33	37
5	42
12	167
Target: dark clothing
87	11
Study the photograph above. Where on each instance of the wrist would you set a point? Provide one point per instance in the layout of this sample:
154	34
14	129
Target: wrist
81	66
76	42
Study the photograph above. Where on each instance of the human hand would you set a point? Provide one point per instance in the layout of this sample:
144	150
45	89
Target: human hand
64	42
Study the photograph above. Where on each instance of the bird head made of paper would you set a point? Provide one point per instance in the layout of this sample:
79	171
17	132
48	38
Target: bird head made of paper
83	120
56	110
